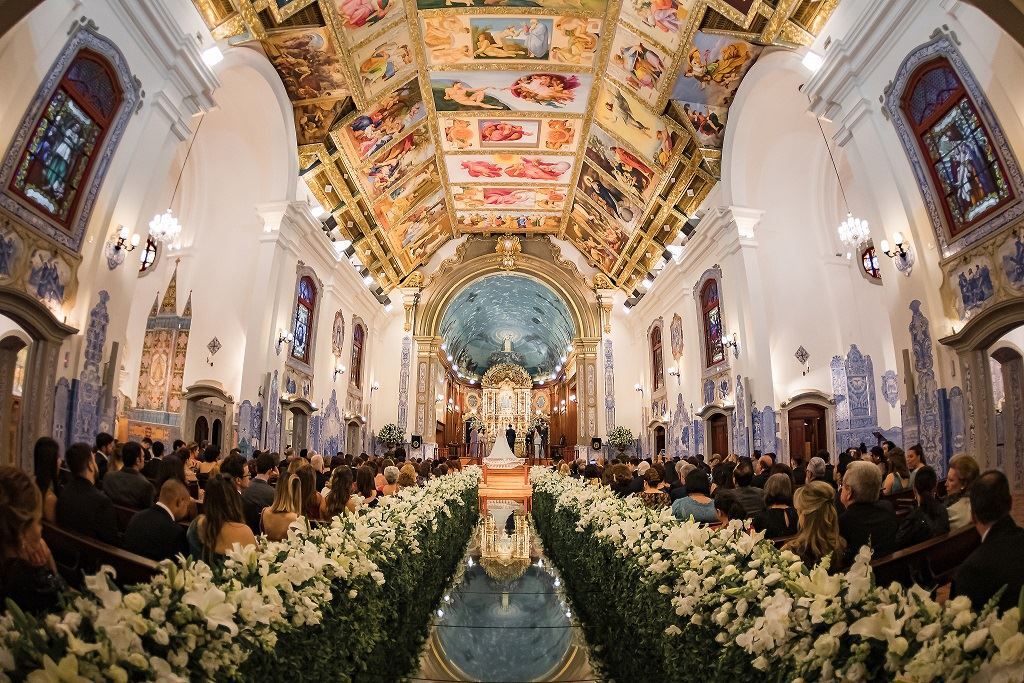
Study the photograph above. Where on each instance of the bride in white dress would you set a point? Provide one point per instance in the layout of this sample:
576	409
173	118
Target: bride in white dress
501	456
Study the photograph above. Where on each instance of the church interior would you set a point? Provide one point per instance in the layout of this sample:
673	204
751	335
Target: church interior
512	340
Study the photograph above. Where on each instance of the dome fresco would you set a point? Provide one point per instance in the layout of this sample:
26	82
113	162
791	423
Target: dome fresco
485	313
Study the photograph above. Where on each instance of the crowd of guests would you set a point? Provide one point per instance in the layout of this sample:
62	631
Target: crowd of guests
823	509
191	501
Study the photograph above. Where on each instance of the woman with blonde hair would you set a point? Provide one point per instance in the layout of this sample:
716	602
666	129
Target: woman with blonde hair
286	508
818	534
407	475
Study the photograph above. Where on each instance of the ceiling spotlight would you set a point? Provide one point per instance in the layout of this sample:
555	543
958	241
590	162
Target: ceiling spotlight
212	56
388	307
568	349
648	281
317	211
367	279
812	61
328	188
626	308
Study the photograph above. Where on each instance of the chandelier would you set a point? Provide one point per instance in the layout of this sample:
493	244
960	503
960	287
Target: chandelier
164	227
853	232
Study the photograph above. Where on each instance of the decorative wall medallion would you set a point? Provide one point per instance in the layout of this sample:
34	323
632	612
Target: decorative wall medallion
676	334
802	356
214	346
890	388
338	335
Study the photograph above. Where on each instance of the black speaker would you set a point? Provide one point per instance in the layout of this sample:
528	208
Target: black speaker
417	441
595	443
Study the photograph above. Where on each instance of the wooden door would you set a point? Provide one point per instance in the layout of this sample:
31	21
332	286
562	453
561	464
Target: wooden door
659	440
718	434
807	431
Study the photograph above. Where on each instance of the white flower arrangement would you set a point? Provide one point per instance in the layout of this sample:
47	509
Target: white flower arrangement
390	435
621	437
191	622
778	615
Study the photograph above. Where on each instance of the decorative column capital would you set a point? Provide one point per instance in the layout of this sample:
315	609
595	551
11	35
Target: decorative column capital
606	299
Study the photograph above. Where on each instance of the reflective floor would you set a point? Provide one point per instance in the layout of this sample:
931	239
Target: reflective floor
505	619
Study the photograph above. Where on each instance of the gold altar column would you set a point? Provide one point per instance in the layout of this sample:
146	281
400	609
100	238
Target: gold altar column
585	349
426	372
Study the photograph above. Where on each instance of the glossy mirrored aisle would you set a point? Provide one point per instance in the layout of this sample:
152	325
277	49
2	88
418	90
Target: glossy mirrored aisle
505	618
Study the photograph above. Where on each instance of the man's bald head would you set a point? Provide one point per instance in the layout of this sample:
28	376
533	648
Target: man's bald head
176	497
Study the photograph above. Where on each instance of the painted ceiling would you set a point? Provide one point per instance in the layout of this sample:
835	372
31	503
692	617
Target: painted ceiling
480	317
419	121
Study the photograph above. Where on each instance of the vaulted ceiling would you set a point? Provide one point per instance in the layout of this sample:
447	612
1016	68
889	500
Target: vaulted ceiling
419	121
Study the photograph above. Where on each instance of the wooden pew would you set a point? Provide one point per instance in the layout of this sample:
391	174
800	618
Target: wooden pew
930	563
124	515
78	555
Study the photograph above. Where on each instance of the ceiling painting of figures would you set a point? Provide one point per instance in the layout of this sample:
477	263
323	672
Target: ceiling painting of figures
600	123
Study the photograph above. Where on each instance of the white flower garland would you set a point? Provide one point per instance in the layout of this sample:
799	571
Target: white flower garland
785	615
187	619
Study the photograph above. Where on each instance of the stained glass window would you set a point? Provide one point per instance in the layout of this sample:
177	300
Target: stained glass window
54	168
358	338
302	327
869	262
957	146
148	256
657	359
712	313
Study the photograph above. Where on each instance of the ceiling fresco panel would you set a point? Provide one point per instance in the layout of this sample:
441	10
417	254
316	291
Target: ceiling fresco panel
518	222
487	133
480	39
309	63
509	168
663	21
508	198
519	91
384	62
641	65
360	19
392	116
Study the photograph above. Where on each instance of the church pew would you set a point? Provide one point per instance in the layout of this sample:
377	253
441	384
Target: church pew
124	515
78	555
930	563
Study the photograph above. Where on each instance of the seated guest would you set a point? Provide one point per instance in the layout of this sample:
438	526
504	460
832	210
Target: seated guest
155	532
818	533
782	468
127	486
28	574
727	508
147	450
45	464
877	456
103	451
209	460
176	444
721	478
365	486
636	484
963	472
151	469
391	481
190	456
406	476
235	467
679	490
339	499
592	474
652	496
697	503
929	517
867	520
286	507
898	478
815	470
379	481
316	461
915	461
260	492
779	517
761	471
81	507
997	562
222	524
750	497
799	471
622	480
171	467
564	469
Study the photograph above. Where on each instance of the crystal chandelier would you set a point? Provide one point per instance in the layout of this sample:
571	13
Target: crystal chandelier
164	227
853	232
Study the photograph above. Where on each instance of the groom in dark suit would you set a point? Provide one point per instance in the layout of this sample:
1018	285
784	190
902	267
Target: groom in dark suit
510	436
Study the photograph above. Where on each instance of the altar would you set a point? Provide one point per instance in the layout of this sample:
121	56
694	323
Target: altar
506	401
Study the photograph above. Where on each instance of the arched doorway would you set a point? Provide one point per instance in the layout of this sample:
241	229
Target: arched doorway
296	414
808	431
201	430
1007	373
217	433
659	440
718	434
353	438
14	346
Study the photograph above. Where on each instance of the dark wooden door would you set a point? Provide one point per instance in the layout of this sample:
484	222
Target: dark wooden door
807	431
659	440
718	434
202	432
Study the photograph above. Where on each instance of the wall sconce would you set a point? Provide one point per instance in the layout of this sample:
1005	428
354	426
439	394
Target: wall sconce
730	341
674	372
572	397
120	244
374	387
902	256
639	387
340	370
284	337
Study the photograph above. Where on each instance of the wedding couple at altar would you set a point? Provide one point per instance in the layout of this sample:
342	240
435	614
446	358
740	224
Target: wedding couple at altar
502	457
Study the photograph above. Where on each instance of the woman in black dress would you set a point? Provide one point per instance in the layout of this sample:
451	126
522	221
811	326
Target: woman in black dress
779	517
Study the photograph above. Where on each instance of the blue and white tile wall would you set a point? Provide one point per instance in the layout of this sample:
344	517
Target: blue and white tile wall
853	387
86	389
928	411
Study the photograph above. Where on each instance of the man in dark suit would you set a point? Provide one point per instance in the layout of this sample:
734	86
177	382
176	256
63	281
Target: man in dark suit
147	450
998	560
867	520
747	495
104	449
761	473
155	532
152	467
510	436
260	492
127	486
81	507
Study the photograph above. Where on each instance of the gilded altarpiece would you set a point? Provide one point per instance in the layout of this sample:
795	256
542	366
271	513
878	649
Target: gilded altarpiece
507	394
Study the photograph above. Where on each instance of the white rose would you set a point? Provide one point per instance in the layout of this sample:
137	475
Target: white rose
135	602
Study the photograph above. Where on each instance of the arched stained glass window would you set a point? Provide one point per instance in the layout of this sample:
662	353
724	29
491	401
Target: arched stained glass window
302	327
958	147
358	339
711	312
54	169
657	359
869	262
148	256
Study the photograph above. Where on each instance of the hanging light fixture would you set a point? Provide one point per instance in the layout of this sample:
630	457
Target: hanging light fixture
164	227
853	231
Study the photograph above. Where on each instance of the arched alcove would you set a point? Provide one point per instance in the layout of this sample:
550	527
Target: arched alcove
807	425
204	403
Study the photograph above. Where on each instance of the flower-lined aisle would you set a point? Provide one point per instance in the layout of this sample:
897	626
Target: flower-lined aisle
664	600
327	604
